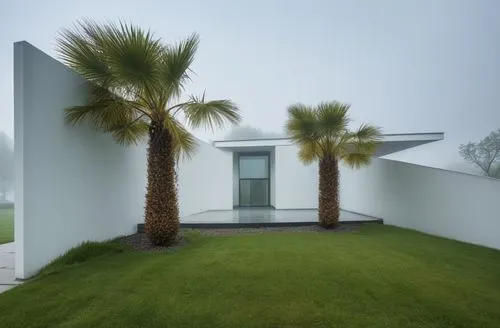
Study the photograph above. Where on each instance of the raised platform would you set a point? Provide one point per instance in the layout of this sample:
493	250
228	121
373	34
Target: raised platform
262	217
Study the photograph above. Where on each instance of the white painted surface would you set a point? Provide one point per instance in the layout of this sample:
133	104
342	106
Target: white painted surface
390	143
206	181
361	190
73	184
296	184
443	203
7	276
251	143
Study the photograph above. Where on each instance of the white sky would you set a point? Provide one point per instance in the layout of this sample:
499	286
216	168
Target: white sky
407	66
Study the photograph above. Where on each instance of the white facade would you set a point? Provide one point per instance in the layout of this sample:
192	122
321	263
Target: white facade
439	202
443	203
74	184
296	183
199	191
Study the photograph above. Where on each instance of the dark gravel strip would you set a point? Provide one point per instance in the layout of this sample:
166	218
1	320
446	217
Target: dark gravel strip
141	242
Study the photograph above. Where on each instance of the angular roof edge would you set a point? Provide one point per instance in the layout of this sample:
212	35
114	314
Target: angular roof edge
284	141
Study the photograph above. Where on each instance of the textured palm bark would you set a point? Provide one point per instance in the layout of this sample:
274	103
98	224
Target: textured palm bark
329	207
162	212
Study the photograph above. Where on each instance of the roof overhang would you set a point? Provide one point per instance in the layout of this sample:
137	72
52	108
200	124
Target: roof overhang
390	143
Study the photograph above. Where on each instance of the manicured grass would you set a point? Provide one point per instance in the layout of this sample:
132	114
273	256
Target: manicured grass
6	225
378	277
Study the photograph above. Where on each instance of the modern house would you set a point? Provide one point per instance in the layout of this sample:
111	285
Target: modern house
262	182
267	172
74	184
259	182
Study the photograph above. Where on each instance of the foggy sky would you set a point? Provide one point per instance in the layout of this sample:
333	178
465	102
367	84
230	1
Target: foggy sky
406	66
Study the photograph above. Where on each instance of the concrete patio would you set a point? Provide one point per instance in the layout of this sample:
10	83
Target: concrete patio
7	278
265	216
262	217
257	215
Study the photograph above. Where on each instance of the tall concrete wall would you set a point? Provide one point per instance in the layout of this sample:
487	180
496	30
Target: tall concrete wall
296	184
75	184
443	203
206	181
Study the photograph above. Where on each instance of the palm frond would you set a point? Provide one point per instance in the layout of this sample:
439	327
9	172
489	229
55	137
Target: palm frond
121	57
368	132
133	78
332	118
184	143
112	114
210	114
323	131
357	160
130	133
302	125
132	54
104	110
81	49
310	152
366	139
175	63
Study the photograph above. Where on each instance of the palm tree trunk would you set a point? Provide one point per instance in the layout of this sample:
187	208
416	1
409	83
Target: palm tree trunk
329	207
162	212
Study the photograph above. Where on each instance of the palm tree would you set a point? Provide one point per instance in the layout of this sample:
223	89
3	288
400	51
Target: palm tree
136	82
322	134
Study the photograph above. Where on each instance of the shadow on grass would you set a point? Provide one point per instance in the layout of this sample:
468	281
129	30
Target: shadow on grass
89	251
82	253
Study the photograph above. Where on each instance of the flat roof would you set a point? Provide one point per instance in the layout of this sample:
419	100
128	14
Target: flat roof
389	143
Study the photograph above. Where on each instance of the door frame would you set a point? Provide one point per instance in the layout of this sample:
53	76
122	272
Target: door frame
250	154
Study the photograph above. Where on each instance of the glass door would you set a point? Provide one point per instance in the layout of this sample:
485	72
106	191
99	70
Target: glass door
254	179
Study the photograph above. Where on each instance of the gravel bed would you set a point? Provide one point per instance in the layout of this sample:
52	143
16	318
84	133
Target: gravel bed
140	242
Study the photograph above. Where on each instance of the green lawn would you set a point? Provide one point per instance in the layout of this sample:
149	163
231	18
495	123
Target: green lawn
378	277
6	225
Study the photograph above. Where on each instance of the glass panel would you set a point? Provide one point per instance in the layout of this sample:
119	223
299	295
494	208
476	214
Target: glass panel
254	192
254	167
245	193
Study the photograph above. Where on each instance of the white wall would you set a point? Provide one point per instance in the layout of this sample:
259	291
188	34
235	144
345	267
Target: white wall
296	184
75	184
206	181
438	202
72	184
361	189
443	203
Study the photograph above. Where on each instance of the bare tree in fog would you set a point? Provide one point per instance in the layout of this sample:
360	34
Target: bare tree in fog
485	154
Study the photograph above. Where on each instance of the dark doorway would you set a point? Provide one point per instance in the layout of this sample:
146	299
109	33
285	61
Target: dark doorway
254	182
